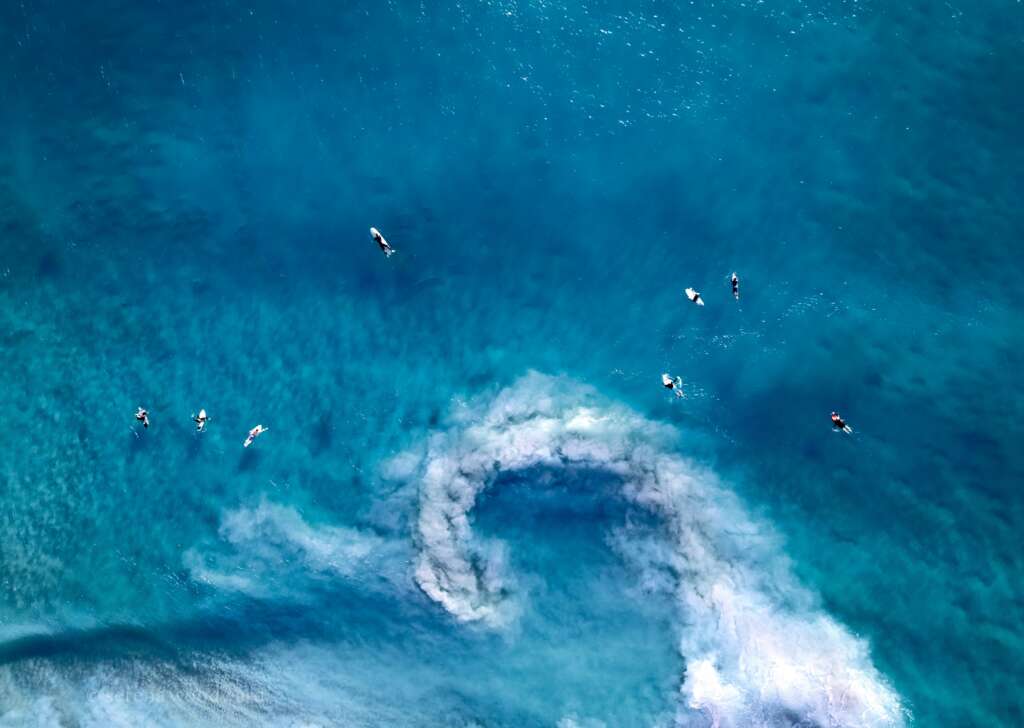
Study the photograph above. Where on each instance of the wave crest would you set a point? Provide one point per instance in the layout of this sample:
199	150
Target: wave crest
758	650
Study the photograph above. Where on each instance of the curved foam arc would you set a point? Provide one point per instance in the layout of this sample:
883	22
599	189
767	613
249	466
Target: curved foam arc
756	646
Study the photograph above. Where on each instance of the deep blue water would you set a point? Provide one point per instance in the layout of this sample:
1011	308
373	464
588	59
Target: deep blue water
476	506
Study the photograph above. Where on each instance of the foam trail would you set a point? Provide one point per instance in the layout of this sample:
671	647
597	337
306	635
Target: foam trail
758	649
270	541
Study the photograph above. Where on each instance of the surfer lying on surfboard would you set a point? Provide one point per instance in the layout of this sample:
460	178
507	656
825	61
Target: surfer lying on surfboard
735	286
840	424
200	420
385	247
694	296
253	434
143	417
676	384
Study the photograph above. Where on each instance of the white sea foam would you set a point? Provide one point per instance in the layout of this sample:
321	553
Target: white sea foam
758	649
300	685
270	540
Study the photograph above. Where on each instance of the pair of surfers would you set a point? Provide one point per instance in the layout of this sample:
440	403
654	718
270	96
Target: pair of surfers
734	281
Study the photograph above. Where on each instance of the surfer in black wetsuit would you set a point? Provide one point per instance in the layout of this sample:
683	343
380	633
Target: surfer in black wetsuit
735	287
675	384
840	424
143	417
385	247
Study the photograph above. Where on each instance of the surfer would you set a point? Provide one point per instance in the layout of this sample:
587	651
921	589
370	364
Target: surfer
143	417
200	420
676	384
253	434
840	424
694	296
385	247
735	286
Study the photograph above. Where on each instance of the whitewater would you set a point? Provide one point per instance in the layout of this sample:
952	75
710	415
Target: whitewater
759	651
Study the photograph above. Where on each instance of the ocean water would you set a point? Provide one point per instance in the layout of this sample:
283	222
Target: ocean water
476	505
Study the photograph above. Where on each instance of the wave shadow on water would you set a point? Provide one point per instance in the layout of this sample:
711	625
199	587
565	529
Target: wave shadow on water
248	460
322	435
249	624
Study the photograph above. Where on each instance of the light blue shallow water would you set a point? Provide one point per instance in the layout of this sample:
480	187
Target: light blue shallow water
476	505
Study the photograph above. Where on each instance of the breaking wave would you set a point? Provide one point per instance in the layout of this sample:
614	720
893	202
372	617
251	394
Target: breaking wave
758	649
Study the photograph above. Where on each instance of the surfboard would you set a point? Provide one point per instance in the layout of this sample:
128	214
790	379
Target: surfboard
252	436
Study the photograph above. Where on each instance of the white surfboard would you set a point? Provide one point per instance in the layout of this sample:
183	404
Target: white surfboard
253	434
694	296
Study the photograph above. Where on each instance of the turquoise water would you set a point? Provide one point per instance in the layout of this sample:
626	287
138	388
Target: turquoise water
476	506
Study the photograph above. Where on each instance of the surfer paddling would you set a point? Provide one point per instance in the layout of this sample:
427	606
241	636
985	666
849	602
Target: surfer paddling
385	247
675	384
694	296
253	434
735	286
200	419
840	424
143	417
